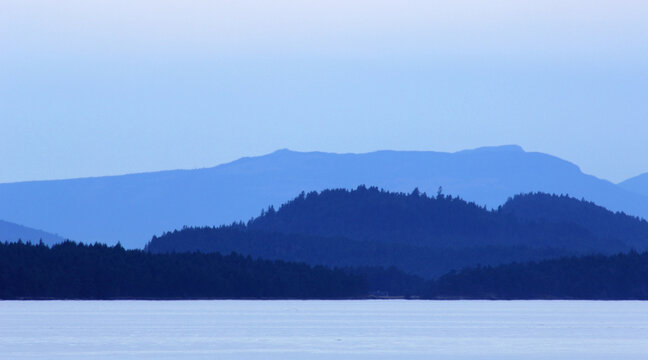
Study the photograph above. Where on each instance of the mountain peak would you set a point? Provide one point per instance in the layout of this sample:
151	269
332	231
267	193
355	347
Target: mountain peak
500	148
282	151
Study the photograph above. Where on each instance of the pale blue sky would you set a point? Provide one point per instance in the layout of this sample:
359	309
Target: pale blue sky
93	88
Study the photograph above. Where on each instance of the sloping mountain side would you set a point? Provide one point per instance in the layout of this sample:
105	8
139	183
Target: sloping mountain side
10	232
633	231
416	233
76	271
637	184
616	277
340	251
146	204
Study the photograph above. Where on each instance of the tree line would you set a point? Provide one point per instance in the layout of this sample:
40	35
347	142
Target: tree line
598	277
76	271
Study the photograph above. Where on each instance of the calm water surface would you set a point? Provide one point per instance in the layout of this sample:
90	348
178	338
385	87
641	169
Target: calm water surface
371	329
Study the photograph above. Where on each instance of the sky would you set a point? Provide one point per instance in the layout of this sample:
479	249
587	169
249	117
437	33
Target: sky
104	87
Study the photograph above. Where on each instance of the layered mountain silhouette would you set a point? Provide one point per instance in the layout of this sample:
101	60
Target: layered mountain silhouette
416	233
10	232
131	208
637	184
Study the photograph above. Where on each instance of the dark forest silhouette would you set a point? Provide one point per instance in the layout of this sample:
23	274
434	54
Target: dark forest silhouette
615	277
75	271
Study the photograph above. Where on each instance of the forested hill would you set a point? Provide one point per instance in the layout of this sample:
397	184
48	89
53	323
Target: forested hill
537	220
76	271
420	234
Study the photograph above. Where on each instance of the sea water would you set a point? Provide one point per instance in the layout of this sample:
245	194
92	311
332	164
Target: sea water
368	329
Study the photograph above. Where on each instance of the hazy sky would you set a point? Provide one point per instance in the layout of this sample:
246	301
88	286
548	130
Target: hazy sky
93	87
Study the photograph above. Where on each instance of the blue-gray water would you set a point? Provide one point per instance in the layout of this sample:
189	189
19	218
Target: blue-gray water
323	330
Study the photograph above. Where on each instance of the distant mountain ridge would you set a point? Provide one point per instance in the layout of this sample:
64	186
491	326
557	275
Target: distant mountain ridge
637	184
131	208
422	235
10	232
